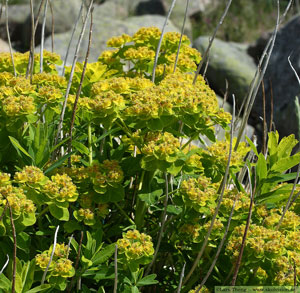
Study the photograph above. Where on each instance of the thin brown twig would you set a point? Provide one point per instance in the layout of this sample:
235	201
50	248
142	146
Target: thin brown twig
239	260
254	87
219	247
181	35
227	227
52	25
161	38
8	38
34	25
71	39
116	269
206	53
1	10
222	190
62	115
272	106
76	262
15	245
80	87
163	222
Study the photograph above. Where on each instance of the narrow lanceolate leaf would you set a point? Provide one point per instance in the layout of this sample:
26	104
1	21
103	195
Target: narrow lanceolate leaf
18	146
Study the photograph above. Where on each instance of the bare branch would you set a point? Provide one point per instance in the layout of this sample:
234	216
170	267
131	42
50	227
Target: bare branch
211	41
8	38
80	87
116	269
5	265
222	190
181	278
239	260
51	256
160	40
43	37
181	35
72	73
72	35
163	221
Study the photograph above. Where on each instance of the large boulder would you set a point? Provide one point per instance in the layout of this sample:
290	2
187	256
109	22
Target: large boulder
228	62
281	81
103	29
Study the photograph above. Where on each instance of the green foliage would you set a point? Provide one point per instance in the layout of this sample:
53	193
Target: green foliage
132	170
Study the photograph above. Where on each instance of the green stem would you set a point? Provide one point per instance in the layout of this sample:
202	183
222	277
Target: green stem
90	143
44	211
124	214
141	206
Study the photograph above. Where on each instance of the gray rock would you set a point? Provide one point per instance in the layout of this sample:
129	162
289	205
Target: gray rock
227	62
4	46
104	28
284	84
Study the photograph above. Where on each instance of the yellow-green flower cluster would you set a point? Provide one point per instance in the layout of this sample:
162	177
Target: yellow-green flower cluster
242	201
17	200
31	175
48	79
260	242
60	264
198	193
142	53
160	145
18	105
61	188
4	179
135	245
290	221
219	153
86	215
116	42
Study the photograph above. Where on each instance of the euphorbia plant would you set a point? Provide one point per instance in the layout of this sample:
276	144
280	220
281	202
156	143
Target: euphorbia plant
134	199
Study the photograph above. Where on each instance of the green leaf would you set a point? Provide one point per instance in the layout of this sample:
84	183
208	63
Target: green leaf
103	255
261	167
151	197
80	147
148	280
18	147
112	194
5	283
71	226
58	163
28	275
39	288
286	146
175	210
86	261
286	163
59	213
252	145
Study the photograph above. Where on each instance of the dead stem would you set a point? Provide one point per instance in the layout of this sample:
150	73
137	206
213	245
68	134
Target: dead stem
206	53
8	38
43	37
222	190
15	245
116	269
76	262
51	256
239	260
80	87
160	40
52	26
58	134
162	227
181	35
